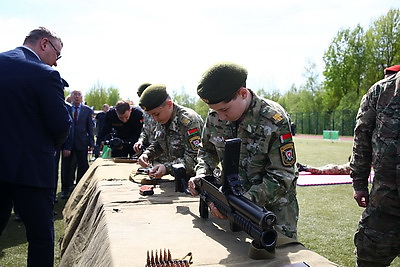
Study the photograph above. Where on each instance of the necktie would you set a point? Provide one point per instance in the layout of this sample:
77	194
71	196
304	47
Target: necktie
76	113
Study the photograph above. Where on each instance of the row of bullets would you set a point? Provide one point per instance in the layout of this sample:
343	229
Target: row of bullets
164	259
183	263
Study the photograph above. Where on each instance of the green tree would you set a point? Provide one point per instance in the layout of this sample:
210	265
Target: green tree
113	96
275	95
184	99
201	108
345	64
192	102
289	100
99	95
383	44
310	95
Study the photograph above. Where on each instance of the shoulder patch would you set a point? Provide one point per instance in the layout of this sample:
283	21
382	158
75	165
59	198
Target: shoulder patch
195	142
185	120
285	138
288	155
193	131
277	117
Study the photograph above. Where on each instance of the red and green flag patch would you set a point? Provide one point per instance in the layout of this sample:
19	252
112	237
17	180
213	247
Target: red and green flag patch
286	138
193	131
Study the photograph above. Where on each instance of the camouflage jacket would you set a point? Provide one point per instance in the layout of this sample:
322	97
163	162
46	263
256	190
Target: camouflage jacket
178	140
267	158
148	130
376	137
330	169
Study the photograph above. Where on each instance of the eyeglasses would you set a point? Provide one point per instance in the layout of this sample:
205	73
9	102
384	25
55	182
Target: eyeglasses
55	49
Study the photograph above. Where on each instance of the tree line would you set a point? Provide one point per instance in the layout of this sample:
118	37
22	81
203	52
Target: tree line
354	61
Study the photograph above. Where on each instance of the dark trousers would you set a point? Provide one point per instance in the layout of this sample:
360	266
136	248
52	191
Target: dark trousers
80	166
96	150
68	167
35	206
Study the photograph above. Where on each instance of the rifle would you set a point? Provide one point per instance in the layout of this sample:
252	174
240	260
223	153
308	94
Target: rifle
227	196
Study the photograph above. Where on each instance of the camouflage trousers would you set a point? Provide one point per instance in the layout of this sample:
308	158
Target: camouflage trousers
286	218
377	239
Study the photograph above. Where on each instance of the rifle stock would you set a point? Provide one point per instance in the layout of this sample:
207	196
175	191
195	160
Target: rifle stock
242	213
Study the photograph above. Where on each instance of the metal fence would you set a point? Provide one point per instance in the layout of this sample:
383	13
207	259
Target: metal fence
316	122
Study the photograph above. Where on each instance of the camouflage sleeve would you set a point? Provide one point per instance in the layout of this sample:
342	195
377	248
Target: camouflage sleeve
192	133
361	159
272	174
154	150
143	135
207	156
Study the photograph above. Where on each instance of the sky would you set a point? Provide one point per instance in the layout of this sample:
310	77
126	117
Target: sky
124	43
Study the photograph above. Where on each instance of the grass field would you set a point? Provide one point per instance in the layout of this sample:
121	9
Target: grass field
328	214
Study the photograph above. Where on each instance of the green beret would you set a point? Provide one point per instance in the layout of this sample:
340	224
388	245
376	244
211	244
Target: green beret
153	97
221	81
142	87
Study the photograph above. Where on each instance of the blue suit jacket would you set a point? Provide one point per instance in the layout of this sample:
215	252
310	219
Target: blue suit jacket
69	142
83	129
34	119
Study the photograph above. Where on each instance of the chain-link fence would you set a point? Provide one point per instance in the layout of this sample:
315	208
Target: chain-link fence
317	122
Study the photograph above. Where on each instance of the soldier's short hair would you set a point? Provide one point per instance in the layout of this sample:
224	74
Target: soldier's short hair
122	106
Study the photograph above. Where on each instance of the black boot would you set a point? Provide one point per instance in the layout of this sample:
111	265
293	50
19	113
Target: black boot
301	168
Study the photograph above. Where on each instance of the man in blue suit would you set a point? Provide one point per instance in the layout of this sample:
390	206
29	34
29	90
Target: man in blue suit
35	122
82	140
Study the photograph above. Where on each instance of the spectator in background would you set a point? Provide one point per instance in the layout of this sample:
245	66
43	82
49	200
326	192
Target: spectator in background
123	124
177	134
65	149
83	139
293	128
37	122
99	126
376	144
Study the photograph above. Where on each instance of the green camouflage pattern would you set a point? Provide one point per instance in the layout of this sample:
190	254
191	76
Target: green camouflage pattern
148	130
330	169
178	141
267	163
376	144
147	136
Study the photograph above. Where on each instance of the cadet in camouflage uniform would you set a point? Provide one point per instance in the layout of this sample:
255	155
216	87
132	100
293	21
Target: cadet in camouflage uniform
328	169
148	130
177	134
267	160
376	143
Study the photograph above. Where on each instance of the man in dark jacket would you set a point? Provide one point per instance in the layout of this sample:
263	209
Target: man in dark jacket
82	141
122	127
36	122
